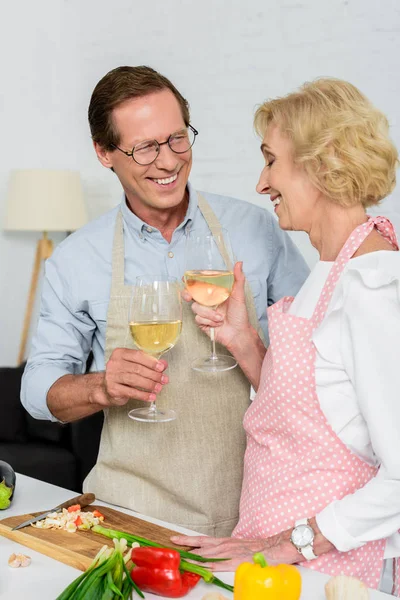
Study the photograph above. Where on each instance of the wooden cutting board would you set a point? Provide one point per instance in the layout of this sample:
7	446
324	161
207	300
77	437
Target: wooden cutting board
79	549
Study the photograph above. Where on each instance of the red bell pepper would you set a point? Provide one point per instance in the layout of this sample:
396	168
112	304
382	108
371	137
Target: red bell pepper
157	571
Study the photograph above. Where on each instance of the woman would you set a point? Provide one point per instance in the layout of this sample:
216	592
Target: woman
322	475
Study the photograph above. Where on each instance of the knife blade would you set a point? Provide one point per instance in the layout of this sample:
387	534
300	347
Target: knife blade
83	500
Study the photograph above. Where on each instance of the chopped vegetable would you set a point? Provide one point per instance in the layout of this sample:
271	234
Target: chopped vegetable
7	484
156	570
106	578
70	520
19	560
74	508
260	581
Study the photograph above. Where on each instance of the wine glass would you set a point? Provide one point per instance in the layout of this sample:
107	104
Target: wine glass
155	323
209	279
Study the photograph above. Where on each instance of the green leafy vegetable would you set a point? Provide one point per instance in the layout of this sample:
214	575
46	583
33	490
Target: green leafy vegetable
206	574
107	577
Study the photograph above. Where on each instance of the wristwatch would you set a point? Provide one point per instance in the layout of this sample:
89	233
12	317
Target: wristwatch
303	538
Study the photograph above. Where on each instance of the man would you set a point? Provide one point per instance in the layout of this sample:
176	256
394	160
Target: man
188	471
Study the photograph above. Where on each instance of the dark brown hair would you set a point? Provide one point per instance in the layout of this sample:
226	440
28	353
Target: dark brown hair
119	85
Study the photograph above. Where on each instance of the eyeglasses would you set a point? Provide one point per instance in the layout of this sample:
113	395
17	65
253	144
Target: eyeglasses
146	152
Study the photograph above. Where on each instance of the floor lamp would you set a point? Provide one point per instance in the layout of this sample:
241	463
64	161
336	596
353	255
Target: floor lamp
43	200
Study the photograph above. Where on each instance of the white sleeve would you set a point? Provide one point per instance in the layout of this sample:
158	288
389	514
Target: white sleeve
370	348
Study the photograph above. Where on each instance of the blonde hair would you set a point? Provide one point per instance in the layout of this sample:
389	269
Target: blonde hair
339	138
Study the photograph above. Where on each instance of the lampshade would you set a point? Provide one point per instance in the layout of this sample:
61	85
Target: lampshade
45	200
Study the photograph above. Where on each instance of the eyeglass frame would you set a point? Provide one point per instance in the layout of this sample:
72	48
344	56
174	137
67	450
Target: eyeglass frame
159	144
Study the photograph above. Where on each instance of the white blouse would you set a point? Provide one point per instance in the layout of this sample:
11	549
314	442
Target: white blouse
358	386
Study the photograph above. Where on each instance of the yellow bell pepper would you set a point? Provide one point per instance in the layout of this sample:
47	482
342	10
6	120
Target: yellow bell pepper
260	581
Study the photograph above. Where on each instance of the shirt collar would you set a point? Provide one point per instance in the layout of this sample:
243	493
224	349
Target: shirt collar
137	225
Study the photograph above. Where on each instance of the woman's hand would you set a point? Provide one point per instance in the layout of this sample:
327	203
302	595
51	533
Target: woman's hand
230	319
276	549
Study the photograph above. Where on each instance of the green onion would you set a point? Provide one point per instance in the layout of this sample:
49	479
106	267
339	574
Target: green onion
206	574
106	578
70	590
132	539
132	583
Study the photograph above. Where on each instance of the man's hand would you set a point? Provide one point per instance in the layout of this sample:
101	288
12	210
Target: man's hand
130	374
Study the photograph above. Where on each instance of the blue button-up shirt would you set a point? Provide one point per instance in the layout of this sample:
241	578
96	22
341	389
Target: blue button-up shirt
77	282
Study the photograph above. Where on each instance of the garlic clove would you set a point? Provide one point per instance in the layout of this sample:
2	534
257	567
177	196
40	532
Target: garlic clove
13	561
19	560
343	587
25	560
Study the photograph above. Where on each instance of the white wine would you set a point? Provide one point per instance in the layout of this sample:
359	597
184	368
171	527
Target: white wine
155	337
209	288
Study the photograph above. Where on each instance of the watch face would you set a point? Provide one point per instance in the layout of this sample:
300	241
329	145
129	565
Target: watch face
302	535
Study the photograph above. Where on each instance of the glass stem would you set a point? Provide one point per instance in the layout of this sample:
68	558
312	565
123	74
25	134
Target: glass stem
212	337
152	407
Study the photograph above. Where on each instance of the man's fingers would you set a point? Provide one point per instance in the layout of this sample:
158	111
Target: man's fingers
141	358
132	371
137	381
122	393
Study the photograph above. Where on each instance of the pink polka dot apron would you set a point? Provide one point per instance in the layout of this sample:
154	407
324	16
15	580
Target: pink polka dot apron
295	465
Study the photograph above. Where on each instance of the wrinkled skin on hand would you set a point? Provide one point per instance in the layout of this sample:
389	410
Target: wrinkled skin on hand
276	549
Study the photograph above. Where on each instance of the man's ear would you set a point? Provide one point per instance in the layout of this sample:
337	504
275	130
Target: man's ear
104	156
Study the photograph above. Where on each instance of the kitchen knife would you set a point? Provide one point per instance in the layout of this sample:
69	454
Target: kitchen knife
83	500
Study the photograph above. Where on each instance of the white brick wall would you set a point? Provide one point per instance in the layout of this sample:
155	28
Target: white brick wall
226	57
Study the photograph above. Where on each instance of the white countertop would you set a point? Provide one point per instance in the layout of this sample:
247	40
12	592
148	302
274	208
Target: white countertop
46	578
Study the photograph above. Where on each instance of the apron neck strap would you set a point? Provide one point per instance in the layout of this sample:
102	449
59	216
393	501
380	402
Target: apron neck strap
118	253
215	228
351	246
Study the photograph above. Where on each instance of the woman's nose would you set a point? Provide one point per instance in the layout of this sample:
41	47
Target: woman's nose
262	186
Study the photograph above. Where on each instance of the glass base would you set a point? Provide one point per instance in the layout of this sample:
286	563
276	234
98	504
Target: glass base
152	416
210	364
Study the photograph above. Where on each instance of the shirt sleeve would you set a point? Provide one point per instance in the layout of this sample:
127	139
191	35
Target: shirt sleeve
370	338
61	344
288	269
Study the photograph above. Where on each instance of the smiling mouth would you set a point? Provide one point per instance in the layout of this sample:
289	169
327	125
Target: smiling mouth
276	200
166	180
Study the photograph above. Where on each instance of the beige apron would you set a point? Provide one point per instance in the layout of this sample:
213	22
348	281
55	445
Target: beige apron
188	471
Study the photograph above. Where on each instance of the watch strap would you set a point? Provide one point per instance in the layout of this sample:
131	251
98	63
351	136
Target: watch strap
308	552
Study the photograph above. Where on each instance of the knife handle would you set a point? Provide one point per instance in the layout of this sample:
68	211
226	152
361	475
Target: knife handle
83	500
